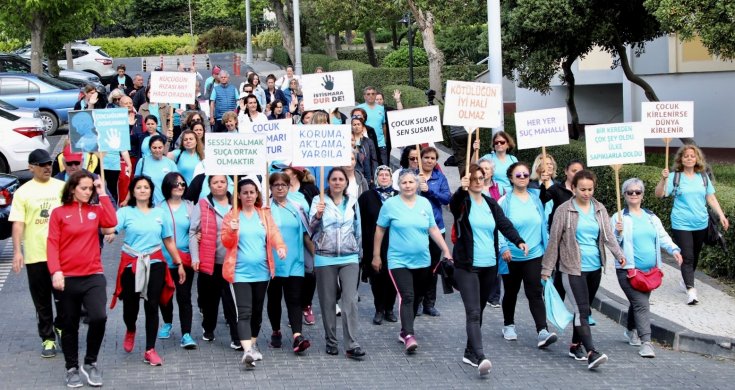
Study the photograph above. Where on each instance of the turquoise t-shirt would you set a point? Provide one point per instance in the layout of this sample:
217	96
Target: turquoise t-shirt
156	170
483	226
112	161
528	222
644	242
187	164
222	209
409	232
501	169
375	119
181	215
690	204
252	265
292	230
143	232
587	233
153	110
299	198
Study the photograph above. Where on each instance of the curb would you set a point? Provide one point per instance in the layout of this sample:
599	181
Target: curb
667	332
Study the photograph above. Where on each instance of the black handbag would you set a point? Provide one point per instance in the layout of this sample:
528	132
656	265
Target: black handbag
714	235
445	269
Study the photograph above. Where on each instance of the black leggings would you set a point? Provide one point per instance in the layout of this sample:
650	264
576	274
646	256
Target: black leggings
249	298
91	292
183	299
411	286
290	289
111	179
474	287
435	253
308	287
212	288
528	273
690	243
384	294
578	292
131	301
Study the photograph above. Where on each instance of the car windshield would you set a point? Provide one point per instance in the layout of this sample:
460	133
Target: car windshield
56	82
7	106
102	52
8	116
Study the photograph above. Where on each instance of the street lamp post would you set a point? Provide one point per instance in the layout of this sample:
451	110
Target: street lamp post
495	62
407	21
248	36
297	37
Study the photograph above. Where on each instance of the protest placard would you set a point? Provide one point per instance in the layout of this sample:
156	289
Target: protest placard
322	145
173	87
614	143
539	128
472	105
668	119
103	130
234	154
415	126
328	90
278	137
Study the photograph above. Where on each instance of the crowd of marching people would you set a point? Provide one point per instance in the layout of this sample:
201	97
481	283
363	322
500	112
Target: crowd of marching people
250	238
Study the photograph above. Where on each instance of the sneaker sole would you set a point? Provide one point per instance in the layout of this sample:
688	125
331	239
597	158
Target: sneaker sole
483	368
189	346
164	337
510	338
89	381
411	349
571	355
152	364
248	362
597	362
74	385
303	346
468	361
48	356
549	340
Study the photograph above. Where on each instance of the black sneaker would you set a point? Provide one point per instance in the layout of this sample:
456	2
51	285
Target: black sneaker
208	336
355	353
390	316
577	352
378	318
431	311
300	344
595	359
276	339
470	358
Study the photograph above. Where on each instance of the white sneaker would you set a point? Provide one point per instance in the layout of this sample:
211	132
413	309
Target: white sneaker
484	367
339	311
632	336
248	361
692	297
257	356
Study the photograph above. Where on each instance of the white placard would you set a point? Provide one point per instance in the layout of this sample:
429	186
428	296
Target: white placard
328	90
278	137
322	145
415	126
668	119
473	105
234	154
173	87
614	143
538	128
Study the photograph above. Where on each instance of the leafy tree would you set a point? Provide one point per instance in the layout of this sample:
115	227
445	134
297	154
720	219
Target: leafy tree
712	21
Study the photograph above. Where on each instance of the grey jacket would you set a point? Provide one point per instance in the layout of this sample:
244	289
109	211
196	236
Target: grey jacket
336	233
563	246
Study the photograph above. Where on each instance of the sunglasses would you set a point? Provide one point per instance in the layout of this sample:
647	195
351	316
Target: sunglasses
522	175
357	117
181	184
73	163
43	165
413	159
631	193
499	142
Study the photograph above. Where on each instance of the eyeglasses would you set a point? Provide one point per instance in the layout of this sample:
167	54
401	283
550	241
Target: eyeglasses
413	159
631	193
280	185
478	179
500	142
43	165
522	175
248	91
73	163
181	184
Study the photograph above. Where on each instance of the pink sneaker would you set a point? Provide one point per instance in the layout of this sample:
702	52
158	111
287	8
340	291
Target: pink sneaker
411	344
309	316
151	357
129	341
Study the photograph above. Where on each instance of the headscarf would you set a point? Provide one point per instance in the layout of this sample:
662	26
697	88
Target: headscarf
387	191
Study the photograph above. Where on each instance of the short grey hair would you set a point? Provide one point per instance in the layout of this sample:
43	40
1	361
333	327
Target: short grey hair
634	182
487	160
224	73
407	172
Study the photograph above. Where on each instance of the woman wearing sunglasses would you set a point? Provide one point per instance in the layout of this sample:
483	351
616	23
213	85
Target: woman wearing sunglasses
503	144
177	215
523	207
641	235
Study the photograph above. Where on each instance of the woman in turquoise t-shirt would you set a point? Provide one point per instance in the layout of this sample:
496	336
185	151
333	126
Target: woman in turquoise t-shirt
411	222
189	154
156	166
692	191
503	144
524	208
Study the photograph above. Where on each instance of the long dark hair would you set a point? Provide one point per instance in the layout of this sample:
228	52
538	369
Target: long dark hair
131	190
170	181
67	195
248	181
329	176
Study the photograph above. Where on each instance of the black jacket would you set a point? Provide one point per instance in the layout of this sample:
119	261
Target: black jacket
463	249
370	205
558	194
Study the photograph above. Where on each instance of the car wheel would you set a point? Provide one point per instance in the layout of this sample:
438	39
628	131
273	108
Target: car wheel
4	167
50	122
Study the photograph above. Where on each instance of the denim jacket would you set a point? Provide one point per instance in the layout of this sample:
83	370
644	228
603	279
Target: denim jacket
662	238
336	233
438	195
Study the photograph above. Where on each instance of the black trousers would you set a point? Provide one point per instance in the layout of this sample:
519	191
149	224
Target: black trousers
212	288
111	179
91	292
249	299
183	299
429	297
474	286
384	293
529	273
578	292
288	288
411	286
44	296
690	243
308	287
131	301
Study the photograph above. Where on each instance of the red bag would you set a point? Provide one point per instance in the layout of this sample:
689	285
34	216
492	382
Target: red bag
645	281
185	258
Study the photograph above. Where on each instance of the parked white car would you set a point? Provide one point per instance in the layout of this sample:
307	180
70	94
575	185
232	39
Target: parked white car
20	136
86	57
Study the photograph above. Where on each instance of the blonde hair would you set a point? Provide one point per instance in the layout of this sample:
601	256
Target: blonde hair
228	116
698	167
537	164
320	118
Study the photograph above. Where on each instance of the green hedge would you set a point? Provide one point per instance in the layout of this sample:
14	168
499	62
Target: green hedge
142	46
400	58
411	97
361	55
280	56
311	61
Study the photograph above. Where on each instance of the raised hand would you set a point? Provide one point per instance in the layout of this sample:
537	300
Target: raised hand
328	82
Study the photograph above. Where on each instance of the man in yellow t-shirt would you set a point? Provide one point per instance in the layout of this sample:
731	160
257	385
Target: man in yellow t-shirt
30	213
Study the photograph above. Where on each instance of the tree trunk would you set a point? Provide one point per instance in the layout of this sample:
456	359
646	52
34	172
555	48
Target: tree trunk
38	34
69	58
285	24
637	80
394	35
331	45
370	48
425	20
348	37
569	80
53	62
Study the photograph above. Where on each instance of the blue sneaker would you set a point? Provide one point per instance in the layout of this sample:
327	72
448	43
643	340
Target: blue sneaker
165	331
509	333
591	321
187	342
545	338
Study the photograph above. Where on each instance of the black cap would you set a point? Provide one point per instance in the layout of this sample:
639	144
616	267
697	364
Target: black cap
39	156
